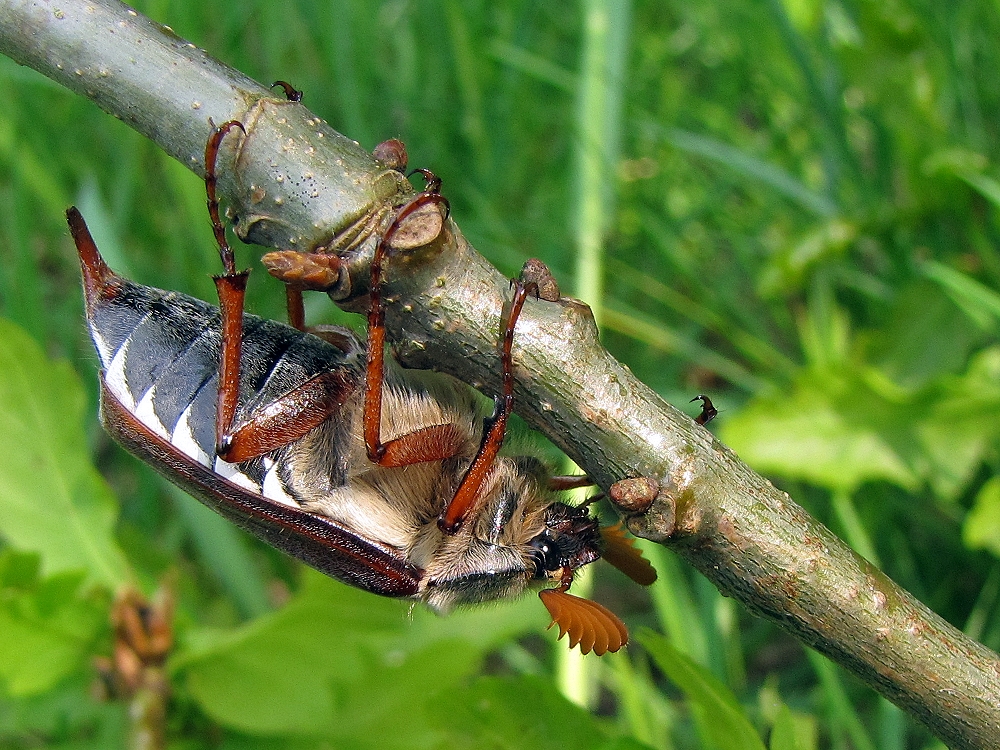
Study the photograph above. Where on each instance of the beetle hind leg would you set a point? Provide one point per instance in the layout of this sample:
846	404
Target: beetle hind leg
290	417
231	287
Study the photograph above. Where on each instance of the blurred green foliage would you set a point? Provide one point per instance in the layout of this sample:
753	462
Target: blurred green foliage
806	215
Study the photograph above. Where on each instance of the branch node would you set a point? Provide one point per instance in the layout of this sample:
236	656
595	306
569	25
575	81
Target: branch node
634	495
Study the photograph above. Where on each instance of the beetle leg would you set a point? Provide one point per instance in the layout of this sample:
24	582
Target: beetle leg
231	287
431	443
468	490
211	184
569	482
432	183
296	307
232	290
297	412
286	419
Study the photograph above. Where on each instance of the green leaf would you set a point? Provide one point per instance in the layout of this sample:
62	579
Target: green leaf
52	500
63	719
336	661
720	717
19	570
793	731
840	429
276	674
790	730
833	431
961	425
981	529
48	628
927	335
505	712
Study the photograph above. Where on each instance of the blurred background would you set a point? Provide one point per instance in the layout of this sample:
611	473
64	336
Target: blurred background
789	205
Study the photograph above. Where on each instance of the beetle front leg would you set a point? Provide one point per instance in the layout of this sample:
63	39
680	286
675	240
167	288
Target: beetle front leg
468	490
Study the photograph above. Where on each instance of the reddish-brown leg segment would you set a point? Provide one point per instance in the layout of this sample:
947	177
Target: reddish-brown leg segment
288	418
432	183
431	443
569	482
296	307
297	412
231	287
436	442
468	490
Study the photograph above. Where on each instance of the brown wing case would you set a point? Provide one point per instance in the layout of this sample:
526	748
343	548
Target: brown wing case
317	541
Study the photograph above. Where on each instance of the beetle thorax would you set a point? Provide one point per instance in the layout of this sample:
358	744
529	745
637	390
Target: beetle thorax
490	557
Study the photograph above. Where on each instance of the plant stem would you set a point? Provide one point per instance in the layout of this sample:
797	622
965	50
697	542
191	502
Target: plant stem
598	133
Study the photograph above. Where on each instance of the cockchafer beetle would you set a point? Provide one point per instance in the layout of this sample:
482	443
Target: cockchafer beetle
386	479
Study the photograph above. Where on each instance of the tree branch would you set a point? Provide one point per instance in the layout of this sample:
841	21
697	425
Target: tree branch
295	183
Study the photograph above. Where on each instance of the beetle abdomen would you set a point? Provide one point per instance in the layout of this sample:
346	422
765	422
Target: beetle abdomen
160	355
